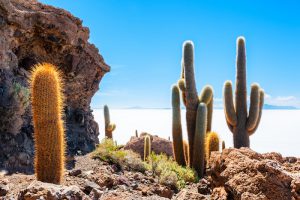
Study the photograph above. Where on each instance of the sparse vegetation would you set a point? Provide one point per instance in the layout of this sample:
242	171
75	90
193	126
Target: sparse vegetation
107	151
169	172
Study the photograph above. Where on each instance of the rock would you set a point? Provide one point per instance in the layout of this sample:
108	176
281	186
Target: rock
32	33
3	190
245	174
186	194
219	193
158	145
39	190
75	172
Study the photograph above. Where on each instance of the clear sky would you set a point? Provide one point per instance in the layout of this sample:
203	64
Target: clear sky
141	40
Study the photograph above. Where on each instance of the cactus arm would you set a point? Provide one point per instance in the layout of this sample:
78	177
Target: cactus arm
209	114
206	95
177	128
261	105
191	93
199	143
230	114
254	107
181	85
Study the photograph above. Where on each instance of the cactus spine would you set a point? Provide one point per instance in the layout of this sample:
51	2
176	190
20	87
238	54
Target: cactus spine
212	143
187	85
109	127
242	124
47	107
177	128
199	143
147	147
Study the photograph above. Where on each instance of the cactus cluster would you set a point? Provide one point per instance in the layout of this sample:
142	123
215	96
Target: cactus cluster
109	127
47	109
194	116
240	123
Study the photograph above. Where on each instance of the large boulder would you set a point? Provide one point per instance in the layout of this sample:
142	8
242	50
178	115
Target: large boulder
158	145
33	33
246	174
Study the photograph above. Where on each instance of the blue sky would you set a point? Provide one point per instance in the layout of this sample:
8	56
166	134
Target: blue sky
141	40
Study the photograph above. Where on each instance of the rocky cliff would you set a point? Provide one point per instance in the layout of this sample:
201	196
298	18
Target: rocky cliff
32	33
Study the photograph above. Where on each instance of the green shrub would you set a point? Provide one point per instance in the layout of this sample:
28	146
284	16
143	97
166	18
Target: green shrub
109	152
169	172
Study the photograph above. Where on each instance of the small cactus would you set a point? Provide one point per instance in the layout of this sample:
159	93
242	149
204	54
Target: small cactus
240	123
109	127
212	143
199	143
147	147
177	128
47	109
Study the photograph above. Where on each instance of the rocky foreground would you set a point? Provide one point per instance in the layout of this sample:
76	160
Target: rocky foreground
232	174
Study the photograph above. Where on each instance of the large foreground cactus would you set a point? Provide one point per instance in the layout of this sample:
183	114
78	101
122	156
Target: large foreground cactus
47	107
242	124
109	127
187	85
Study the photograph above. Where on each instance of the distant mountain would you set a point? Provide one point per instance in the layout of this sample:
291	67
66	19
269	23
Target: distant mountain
273	107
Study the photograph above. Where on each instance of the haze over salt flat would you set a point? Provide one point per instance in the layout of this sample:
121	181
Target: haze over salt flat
278	131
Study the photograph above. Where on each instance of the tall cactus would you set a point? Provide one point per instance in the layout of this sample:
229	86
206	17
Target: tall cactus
187	85
47	109
177	128
242	124
109	127
212	143
199	143
147	147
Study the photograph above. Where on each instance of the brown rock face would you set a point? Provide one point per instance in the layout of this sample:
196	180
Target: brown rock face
158	145
32	33
245	174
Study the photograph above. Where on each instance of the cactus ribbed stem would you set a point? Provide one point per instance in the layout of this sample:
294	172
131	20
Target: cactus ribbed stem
212	143
177	128
199	143
109	127
147	147
47	109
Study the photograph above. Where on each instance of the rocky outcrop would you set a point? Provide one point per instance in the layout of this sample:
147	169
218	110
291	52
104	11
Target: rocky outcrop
32	33
158	145
245	174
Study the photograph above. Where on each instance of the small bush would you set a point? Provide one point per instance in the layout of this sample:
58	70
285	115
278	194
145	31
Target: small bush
108	151
169	172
